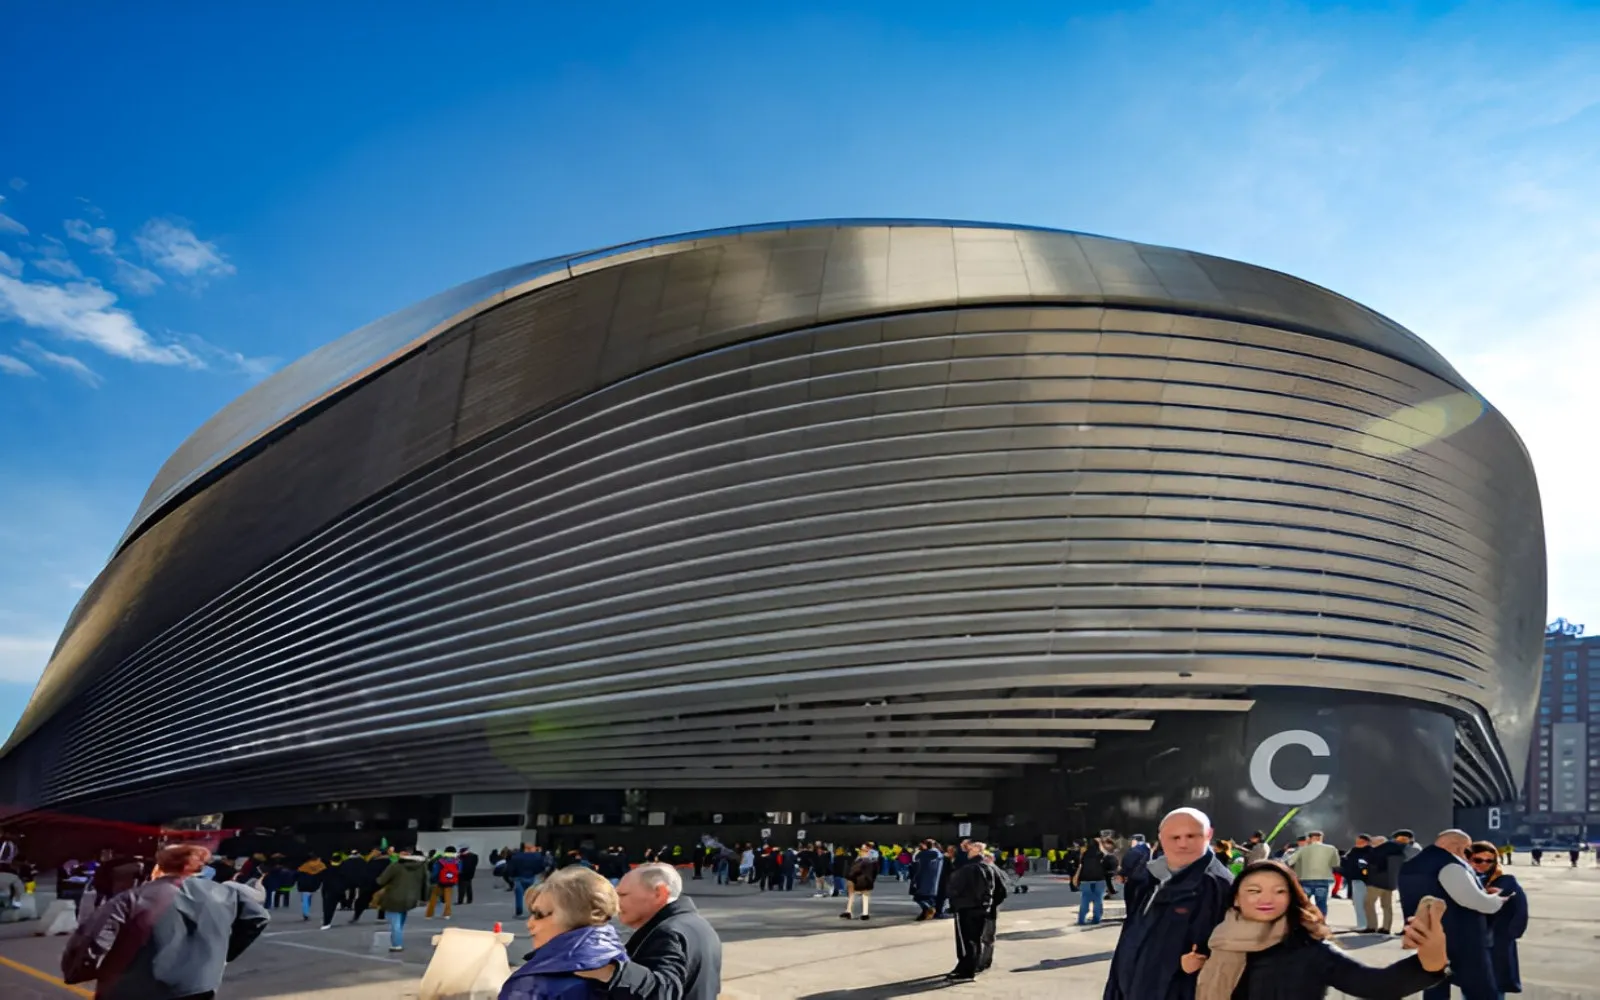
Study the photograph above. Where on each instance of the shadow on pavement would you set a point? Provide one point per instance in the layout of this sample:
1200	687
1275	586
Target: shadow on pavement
887	991
1051	964
1039	935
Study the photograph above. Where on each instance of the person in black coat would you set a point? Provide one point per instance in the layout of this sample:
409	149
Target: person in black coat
333	890
976	890
1509	924
927	875
469	869
1172	910
673	953
1273	944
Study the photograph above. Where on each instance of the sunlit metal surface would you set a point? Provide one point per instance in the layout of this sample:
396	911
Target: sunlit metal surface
549	516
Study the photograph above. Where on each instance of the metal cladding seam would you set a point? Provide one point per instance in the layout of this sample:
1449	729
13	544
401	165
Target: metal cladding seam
663	476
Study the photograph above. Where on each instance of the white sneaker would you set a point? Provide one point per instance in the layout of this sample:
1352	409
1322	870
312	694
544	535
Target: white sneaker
326	926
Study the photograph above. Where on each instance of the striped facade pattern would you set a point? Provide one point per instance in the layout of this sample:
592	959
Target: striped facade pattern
832	503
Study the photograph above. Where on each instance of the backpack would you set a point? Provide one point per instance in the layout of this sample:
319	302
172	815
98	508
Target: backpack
449	871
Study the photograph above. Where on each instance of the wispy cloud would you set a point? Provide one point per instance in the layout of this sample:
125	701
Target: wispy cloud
172	246
10	225
66	362
130	277
9	264
58	267
17	183
85	311
16	366
223	359
99	238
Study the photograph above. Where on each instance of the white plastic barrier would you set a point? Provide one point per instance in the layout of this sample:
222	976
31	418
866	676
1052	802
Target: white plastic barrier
60	917
467	965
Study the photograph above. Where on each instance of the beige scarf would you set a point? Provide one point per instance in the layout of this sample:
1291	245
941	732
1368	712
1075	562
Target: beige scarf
1232	943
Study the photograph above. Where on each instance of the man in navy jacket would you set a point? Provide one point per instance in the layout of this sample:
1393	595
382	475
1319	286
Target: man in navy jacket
1173	906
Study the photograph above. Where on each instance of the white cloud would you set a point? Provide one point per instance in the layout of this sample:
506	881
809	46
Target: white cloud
224	359
133	278
10	225
99	238
173	246
66	362
84	311
58	267
16	366
9	264
22	658
17	183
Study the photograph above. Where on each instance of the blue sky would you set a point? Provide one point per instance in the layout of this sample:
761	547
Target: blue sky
192	199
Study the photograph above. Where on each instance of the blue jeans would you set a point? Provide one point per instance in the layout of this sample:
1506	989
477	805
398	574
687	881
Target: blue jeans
838	885
1317	889
1095	893
305	904
397	929
519	888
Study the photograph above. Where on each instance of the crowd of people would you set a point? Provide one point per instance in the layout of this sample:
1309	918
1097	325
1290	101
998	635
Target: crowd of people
1207	919
1218	921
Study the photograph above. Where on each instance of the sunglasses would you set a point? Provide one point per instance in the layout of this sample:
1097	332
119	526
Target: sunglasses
1482	861
537	914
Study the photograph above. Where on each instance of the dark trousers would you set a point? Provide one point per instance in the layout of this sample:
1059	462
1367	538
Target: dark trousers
986	943
464	891
969	940
331	898
363	900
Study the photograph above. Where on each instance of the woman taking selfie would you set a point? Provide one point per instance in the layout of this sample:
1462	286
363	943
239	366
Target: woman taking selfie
1274	945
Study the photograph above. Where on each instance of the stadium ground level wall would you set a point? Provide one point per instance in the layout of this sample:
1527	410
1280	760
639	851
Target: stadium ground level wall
1342	763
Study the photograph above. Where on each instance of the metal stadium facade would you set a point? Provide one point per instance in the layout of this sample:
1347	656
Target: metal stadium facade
1048	529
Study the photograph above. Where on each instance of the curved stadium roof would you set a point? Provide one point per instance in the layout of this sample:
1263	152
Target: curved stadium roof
687	452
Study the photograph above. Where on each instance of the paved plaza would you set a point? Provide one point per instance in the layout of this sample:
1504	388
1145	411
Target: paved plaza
789	945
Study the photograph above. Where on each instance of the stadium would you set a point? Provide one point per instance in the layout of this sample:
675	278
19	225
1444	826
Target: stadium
822	523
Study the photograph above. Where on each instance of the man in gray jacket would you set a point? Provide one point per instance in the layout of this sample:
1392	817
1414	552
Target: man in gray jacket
167	939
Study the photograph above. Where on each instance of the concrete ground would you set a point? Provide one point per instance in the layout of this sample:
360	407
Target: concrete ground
789	945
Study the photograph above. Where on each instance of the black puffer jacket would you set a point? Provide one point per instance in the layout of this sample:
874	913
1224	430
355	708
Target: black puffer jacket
1301	968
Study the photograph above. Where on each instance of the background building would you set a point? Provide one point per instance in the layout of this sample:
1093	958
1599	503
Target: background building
1562	799
843	524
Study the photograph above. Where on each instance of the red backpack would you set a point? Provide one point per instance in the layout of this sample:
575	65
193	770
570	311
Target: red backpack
449	871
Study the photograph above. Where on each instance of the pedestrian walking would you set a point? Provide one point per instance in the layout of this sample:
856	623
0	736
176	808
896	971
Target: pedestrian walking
308	879
166	939
525	869
400	891
1383	878
927	868
1089	880
1315	863
444	874
469	871
1355	867
862	876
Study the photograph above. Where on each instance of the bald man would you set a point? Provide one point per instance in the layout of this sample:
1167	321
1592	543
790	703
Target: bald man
1173	906
1442	871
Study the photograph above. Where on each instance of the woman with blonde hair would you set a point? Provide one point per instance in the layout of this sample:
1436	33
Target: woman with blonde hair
569	918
